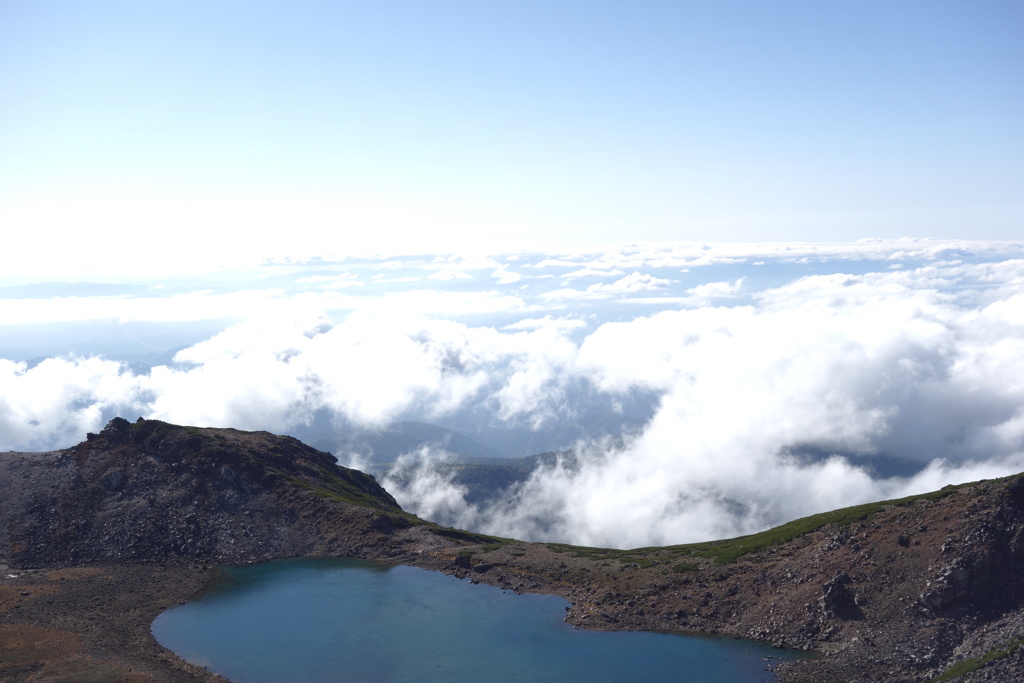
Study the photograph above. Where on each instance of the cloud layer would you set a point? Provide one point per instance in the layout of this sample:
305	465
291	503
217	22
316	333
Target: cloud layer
777	401
781	409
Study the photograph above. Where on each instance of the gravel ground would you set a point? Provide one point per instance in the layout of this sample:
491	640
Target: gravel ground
93	624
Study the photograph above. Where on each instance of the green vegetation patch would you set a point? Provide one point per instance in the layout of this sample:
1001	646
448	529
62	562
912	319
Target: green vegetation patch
490	547
584	551
641	557
334	487
729	550
489	542
969	665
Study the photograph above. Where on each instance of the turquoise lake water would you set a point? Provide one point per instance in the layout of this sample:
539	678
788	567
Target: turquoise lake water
293	621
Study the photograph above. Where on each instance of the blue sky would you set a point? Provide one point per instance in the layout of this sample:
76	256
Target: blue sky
313	126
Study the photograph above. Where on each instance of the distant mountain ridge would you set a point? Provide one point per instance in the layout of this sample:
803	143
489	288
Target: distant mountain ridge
467	435
399	438
482	479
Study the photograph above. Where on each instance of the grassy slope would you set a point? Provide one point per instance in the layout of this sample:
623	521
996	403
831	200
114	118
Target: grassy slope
729	550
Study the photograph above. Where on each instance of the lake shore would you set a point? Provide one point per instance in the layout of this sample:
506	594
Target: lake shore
93	623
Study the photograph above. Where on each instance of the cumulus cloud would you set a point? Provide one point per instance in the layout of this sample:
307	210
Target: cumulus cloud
783	409
557	263
429	493
823	390
546	321
635	282
716	290
449	274
367	369
56	402
504	276
592	272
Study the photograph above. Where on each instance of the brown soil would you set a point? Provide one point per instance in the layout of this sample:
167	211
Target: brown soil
92	624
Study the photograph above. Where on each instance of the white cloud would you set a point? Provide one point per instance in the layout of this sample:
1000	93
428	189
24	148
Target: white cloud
556	263
592	272
344	284
56	402
716	290
426	492
755	396
504	276
547	322
555	296
768	411
340	281
437	303
448	274
635	282
630	284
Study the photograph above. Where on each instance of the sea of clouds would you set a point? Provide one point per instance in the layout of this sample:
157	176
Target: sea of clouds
787	379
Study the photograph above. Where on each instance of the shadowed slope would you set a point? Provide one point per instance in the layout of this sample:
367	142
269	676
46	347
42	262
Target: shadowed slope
155	491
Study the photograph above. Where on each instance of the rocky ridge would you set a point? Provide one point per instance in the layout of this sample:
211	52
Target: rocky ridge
151	491
97	539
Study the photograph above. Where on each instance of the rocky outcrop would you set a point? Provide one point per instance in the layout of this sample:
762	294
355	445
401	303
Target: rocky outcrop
839	600
151	491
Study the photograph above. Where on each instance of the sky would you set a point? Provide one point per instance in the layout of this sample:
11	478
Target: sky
783	239
235	131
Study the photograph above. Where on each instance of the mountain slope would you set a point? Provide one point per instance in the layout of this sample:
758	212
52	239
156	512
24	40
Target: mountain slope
154	491
903	590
